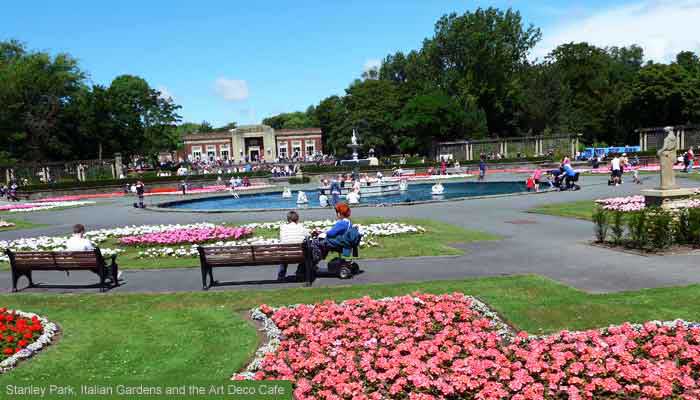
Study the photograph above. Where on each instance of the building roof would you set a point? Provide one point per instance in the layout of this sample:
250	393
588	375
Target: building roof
302	131
207	136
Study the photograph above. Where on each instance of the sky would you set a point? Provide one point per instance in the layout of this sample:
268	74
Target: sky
244	61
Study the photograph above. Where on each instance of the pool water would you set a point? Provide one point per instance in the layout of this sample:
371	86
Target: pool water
415	192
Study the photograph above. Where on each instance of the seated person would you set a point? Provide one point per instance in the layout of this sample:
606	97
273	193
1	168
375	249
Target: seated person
323	199
334	239
570	176
292	232
78	242
353	197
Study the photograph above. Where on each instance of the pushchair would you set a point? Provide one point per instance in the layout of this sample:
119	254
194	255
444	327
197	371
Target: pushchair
570	182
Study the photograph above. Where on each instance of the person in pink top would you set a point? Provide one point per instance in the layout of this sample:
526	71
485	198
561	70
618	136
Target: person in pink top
536	176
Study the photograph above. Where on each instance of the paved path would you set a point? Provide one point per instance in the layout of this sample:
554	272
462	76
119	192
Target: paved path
550	246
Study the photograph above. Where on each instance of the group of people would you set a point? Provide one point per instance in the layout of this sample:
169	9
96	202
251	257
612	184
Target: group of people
618	165
688	160
341	237
9	191
139	189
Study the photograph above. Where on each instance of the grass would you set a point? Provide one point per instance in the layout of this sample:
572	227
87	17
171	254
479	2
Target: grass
19	224
578	209
181	337
435	241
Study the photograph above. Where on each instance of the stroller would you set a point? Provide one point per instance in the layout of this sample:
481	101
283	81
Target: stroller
570	182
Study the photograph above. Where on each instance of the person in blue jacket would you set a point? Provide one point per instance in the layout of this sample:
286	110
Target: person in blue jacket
335	192
334	238
569	175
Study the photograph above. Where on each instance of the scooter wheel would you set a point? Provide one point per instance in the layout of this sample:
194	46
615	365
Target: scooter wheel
354	268
344	273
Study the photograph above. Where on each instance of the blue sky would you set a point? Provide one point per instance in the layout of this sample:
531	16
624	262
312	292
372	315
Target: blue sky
243	61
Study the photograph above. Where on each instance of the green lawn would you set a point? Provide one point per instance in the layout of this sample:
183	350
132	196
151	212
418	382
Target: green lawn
578	209
435	241
181	337
19	224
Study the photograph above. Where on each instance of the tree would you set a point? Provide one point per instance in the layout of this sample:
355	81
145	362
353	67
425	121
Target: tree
293	120
433	117
479	55
331	114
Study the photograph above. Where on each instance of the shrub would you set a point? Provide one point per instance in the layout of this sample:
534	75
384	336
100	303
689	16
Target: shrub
600	219
617	228
637	229
297	181
660	228
681	229
694	226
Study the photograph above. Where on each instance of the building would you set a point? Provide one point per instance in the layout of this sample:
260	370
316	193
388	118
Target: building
253	143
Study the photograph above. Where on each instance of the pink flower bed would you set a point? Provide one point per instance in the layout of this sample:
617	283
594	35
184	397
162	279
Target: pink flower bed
629	203
194	235
434	347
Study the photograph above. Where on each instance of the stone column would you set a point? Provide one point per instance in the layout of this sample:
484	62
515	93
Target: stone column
118	166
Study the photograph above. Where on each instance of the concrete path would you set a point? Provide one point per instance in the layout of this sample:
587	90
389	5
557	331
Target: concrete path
550	246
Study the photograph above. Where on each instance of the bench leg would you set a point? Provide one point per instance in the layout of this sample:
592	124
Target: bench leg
15	278
114	268
206	270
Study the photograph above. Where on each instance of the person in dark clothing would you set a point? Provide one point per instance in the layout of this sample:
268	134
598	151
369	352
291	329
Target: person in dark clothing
140	190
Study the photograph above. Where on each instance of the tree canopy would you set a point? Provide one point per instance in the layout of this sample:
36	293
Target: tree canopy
48	111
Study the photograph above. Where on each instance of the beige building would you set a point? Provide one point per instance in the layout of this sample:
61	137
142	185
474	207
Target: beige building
253	143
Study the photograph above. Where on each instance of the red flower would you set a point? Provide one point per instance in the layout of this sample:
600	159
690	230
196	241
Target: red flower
8	351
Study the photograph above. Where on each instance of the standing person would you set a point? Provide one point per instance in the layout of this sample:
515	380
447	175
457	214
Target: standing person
290	233
536	177
183	187
624	163
691	159
335	192
482	169
686	161
615	170
323	199
140	190
443	167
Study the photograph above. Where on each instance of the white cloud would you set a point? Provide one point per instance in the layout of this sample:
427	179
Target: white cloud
371	64
232	89
165	93
662	28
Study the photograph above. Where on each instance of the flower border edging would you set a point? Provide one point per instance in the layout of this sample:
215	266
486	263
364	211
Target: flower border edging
50	330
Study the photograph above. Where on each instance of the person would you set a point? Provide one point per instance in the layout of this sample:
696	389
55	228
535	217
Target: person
482	169
301	198
334	237
323	199
530	184
635	177
624	163
335	192
356	185
183	187
246	181
691	158
380	176
536	177
570	176
615	171
292	232
78	242
353	197
686	161
140	190
443	167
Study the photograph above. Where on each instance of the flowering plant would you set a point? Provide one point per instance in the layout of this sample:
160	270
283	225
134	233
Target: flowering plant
21	335
42	205
451	346
194	235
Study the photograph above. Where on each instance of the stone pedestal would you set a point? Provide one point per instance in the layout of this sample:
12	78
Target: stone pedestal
667	198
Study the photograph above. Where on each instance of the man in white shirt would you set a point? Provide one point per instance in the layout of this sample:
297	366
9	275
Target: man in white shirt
616	171
290	233
77	242
353	197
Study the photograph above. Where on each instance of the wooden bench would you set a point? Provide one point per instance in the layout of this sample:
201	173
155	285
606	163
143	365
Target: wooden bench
243	256
24	262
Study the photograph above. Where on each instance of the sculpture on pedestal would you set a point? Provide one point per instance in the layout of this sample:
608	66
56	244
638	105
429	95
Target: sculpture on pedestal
667	157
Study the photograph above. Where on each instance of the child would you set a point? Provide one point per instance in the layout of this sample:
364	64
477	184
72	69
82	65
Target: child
292	232
635	177
530	184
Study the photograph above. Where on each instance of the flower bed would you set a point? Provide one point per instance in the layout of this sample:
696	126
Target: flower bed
42	205
22	334
452	346
626	221
194	235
